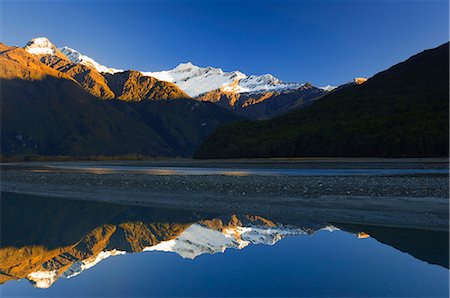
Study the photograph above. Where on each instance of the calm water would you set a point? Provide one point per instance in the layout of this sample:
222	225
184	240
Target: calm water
152	170
59	248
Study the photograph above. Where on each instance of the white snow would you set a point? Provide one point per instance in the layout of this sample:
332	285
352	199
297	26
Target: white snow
195	80
328	88
192	79
78	58
265	235
43	279
198	239
80	266
330	228
40	46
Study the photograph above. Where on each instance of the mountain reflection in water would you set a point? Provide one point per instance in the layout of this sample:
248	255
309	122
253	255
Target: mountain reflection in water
43	239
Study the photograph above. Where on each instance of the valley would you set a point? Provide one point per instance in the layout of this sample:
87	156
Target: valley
216	149
59	102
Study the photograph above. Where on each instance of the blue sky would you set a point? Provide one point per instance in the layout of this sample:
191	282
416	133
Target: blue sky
323	41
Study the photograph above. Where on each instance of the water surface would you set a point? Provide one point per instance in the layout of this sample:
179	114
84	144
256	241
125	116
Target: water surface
60	248
183	170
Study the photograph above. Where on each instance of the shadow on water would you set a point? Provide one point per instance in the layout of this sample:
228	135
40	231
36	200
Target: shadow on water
44	238
429	246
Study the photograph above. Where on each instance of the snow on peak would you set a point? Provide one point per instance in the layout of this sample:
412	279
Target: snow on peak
195	80
328	88
198	239
43	279
79	266
192	79
40	46
78	58
186	66
265	82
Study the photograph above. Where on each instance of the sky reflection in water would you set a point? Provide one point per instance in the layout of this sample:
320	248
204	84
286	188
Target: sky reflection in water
95	249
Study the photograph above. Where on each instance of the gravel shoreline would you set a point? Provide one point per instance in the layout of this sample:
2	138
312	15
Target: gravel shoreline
413	200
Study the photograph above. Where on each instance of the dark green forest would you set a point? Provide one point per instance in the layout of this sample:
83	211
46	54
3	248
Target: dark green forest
400	112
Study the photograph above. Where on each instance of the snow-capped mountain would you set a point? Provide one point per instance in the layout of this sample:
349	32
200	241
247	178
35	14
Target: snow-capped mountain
81	265
250	96
203	237
192	79
40	46
195	80
45	278
328	88
199	239
78	58
43	46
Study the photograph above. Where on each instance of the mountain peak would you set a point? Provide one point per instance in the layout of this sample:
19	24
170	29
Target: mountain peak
359	81
186	65
78	58
196	80
328	88
40	46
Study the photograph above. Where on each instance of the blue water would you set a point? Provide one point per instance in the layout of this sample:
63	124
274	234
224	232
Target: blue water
151	170
325	264
315	258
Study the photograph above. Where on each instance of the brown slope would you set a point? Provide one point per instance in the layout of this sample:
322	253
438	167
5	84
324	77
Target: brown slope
89	78
128	86
16	63
46	112
131	85
18	263
222	98
264	105
35	234
57	52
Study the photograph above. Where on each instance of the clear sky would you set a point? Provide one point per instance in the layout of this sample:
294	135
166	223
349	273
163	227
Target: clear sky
322	41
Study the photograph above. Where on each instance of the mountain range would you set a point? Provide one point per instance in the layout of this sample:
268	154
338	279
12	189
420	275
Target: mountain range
231	90
44	252
52	106
400	112
38	244
57	101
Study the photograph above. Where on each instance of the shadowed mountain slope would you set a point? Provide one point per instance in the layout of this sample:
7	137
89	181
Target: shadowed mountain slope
264	105
254	96
47	112
183	124
38	245
400	112
429	246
